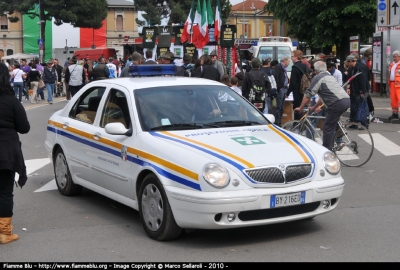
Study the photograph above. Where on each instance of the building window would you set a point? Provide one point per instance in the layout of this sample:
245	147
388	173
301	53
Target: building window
4	22
119	23
246	30
10	52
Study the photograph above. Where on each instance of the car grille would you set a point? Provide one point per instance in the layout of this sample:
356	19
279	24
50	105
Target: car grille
269	175
278	212
276	176
297	172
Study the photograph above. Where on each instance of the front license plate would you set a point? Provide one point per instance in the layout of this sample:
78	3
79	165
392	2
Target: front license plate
288	199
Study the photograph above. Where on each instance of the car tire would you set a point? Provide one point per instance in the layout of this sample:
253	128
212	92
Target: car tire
155	211
65	184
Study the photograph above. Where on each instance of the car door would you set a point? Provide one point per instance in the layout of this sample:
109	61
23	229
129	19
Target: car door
77	129
111	168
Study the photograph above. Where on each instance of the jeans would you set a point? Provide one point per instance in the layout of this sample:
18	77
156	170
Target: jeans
18	87
280	101
50	91
40	93
267	105
6	193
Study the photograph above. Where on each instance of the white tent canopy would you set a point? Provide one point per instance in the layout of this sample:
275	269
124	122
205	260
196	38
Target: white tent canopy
19	56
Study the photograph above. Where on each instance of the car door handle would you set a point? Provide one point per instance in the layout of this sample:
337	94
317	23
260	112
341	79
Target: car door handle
97	136
65	125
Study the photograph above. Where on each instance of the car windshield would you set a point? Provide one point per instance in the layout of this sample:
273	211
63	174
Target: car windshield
276	53
194	106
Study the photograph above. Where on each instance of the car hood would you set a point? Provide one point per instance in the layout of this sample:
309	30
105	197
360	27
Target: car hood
243	147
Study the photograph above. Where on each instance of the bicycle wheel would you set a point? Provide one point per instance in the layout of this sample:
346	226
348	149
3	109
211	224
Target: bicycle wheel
299	128
353	146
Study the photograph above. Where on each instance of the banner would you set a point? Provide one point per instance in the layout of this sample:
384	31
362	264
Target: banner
90	36
164	36
190	49
177	31
162	50
227	37
149	37
211	36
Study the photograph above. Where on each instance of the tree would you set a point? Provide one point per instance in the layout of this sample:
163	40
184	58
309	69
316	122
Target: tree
176	10
323	23
80	13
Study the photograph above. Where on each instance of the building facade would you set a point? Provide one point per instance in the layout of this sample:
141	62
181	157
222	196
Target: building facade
10	35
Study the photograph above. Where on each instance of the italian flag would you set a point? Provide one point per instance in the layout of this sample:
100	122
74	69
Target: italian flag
200	27
218	21
188	25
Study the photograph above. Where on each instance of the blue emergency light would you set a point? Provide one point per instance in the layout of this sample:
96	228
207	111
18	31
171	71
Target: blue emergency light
152	70
255	43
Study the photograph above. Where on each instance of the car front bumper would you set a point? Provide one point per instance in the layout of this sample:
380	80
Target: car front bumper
210	210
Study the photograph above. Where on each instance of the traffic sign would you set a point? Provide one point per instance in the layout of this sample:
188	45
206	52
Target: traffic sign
40	41
388	13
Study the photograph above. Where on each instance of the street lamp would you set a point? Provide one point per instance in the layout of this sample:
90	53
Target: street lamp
253	10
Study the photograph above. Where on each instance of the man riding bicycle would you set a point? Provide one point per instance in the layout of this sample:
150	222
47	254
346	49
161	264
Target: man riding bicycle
332	95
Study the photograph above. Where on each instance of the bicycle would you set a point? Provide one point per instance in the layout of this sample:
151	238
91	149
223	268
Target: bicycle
353	143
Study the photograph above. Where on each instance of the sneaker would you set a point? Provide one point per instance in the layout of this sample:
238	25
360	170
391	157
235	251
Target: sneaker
394	117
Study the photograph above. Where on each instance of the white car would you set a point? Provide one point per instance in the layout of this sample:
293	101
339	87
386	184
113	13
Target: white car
188	153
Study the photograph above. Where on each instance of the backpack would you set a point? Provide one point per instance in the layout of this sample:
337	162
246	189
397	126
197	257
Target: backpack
257	90
271	79
305	81
188	71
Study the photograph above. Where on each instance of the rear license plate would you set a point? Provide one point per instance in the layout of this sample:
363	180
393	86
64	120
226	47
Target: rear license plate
288	199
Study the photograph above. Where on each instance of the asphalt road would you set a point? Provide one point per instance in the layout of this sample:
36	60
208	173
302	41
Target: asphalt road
93	228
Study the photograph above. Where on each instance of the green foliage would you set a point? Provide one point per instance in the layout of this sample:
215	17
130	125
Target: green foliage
326	22
80	13
177	9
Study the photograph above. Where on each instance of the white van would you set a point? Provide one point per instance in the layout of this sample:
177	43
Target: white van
275	47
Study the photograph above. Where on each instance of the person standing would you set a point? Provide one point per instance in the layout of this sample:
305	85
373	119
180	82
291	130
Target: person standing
216	63
49	79
282	83
25	68
298	69
149	60
74	76
206	69
136	60
33	78
394	86
59	70
100	71
13	121
256	85
18	76
112	68
335	72
358	90
266	68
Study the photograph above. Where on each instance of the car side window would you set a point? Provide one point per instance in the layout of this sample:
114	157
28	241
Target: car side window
116	109
85	108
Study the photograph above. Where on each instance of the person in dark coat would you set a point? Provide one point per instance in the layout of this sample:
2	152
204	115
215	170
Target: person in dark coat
282	83
13	120
298	69
149	60
206	69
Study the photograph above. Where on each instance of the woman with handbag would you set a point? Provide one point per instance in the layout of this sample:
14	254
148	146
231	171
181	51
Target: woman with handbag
13	121
34	77
18	76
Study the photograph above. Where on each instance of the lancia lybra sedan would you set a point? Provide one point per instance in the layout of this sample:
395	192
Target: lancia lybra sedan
188	153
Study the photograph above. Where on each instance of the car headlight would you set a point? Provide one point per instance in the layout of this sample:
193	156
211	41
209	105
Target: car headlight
216	175
331	163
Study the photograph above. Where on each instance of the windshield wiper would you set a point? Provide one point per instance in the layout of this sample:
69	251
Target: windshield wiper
236	123
183	126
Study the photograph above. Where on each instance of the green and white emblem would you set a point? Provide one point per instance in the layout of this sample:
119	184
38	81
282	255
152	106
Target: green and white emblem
248	140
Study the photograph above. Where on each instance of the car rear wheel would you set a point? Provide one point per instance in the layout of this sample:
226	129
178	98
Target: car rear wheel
63	176
155	211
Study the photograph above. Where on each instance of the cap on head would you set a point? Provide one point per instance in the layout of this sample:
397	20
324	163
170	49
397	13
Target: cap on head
350	58
255	63
168	56
214	52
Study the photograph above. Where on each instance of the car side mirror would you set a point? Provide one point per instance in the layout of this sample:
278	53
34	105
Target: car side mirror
270	117
117	129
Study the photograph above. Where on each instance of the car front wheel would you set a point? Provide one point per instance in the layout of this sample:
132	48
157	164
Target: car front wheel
63	176
155	211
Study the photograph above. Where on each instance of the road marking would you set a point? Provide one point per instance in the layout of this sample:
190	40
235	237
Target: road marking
49	186
45	103
383	145
33	165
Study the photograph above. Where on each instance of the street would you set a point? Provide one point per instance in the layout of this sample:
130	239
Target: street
93	228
